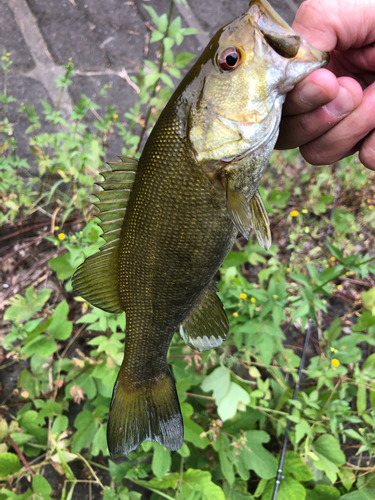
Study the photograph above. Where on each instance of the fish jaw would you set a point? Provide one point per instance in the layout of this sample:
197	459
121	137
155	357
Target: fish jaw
238	111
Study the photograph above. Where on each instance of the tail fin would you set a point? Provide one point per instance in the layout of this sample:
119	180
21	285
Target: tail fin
148	412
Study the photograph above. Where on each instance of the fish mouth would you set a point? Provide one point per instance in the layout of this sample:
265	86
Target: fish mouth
282	38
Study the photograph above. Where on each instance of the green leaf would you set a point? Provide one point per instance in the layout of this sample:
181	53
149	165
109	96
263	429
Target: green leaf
174	27
152	13
156	36
336	252
329	447
217	381
60	328
41	487
118	471
62	266
23	308
99	443
238	491
161	460
226	464
279	198
198	480
289	490
323	492
184	450
21	438
174	72
355	495
227	405
369	300
9	464
294	466
183	59
324	464
168	481
60	424
302	429
87	427
41	345
254	456
361	399
347	477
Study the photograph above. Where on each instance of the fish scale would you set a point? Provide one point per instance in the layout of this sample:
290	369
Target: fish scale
170	219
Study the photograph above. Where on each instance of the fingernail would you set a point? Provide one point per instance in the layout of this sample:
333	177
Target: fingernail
343	104
313	95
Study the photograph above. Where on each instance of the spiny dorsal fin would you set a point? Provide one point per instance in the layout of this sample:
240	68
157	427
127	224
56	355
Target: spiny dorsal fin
260	221
96	280
206	326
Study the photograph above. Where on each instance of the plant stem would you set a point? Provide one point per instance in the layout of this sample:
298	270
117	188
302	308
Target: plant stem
161	62
91	470
21	455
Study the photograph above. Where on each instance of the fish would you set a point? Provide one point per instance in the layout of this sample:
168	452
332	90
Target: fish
170	218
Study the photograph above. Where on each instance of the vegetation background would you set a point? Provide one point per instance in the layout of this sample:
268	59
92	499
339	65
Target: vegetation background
60	357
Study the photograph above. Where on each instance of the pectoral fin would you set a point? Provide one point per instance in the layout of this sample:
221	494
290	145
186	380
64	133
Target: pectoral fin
260	222
239	210
206	326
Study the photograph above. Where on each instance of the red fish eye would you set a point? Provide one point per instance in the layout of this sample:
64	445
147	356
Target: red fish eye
229	59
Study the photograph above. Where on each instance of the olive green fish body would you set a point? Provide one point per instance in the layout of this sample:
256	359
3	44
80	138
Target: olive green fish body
178	231
170	219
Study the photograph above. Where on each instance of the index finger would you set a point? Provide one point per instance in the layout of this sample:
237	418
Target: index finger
317	89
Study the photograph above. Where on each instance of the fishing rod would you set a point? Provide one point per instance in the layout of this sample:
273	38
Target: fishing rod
296	389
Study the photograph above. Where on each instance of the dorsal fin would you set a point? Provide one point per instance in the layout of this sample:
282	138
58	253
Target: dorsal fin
96	280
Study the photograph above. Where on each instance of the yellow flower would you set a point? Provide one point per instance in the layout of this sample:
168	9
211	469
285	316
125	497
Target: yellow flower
8	54
294	213
56	228
368	201
339	287
115	117
370	207
288	269
235	315
243	296
333	259
307	230
327	265
361	236
253	300
335	363
304	211
61	236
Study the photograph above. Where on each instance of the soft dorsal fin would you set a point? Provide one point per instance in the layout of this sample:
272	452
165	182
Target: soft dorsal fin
260	221
206	326
96	280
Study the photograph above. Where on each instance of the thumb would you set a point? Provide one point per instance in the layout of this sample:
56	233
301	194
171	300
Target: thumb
336	24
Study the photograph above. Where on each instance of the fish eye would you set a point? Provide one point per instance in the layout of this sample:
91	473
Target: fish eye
229	59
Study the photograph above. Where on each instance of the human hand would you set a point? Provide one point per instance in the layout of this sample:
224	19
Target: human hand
331	113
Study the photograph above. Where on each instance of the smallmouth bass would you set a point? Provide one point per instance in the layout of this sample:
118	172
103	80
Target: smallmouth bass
170	219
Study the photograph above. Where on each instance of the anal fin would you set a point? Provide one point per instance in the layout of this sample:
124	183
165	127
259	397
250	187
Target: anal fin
206	325
260	221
